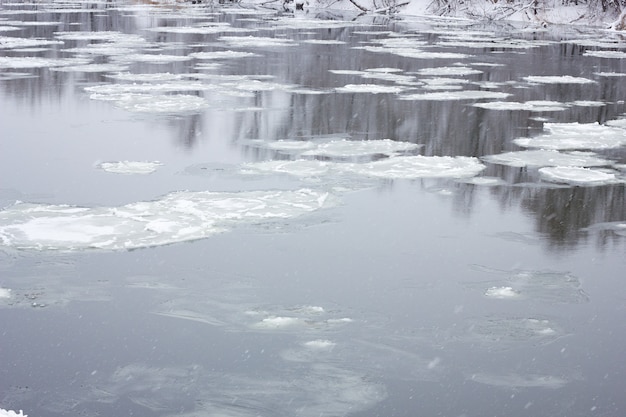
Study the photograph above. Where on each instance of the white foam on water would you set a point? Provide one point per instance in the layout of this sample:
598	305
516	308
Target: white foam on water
5	292
579	176
535	105
449	71
130	167
35	62
544	158
501	292
410	167
456	95
11	413
558	79
606	54
9	42
222	55
369	88
176	217
256	41
349	148
564	136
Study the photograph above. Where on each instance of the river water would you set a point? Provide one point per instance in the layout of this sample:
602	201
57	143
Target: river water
227	211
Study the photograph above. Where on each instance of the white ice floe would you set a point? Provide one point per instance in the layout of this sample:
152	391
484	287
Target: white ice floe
324	42
457	95
558	79
619	228
222	55
449	71
418	166
504	332
501	292
606	54
545	158
5	292
516	381
319	344
536	105
564	136
102	36
11	413
610	74
35	62
9	42
579	176
303	168
211	29
279	322
256	41
175	103
92	68
150	58
369	88
348	148
176	217
444	83
145	78
130	167
291	145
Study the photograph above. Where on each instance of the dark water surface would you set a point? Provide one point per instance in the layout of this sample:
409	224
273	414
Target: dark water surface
346	215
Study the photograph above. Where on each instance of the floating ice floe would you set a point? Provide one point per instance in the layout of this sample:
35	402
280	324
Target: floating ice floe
606	54
5	293
564	136
176	217
92	68
619	228
9	42
515	381
501	292
409	167
348	148
443	83
610	74
222	55
11	413
303	168
369	88
145	78
456	95
536	105
558	79
103	36
256	41
35	62
175	103
449	71
211	29
545	158
579	176
130	167
504	332
150	58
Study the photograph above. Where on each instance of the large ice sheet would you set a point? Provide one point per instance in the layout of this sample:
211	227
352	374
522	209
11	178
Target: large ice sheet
176	217
580	176
564	136
418	166
544	158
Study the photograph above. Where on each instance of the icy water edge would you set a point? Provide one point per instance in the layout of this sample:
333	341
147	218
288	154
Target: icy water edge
235	212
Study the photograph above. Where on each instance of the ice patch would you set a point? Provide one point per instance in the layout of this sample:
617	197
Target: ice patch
9	42
348	148
176	217
298	168
92	68
515	381
606	54
619	228
319	344
279	322
558	79
510	331
456	95
410	167
150	58
130	167
369	88
5	292
34	62
449	71
537	106
564	136
146	78
579	176
222	55
11	413
545	158
175	103
256	42
501	292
